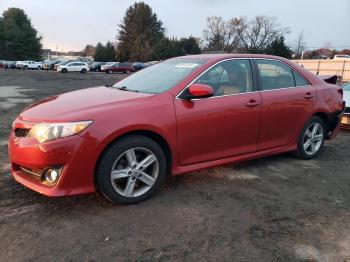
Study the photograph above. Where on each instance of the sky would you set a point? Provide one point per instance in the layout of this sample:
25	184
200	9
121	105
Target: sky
71	24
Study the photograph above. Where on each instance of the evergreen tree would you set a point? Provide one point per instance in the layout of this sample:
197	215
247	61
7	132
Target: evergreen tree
105	53
167	48
279	48
190	45
18	39
139	32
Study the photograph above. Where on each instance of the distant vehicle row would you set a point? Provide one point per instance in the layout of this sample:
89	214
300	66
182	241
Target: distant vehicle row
65	66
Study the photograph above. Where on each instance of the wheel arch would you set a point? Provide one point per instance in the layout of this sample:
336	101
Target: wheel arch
162	142
325	118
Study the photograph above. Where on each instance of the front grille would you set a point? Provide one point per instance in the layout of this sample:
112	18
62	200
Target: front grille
347	110
21	132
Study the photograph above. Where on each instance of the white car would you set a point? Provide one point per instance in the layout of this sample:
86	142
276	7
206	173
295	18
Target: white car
345	121
341	57
73	67
29	65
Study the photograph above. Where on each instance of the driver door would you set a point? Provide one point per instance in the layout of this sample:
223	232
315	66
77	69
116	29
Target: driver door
221	126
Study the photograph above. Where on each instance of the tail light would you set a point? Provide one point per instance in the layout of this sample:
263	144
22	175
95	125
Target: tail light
340	91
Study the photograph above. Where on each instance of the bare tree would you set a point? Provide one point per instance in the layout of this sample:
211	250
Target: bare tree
257	34
221	35
89	50
300	45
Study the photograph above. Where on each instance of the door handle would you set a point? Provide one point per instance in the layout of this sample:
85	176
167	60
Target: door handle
252	103
308	95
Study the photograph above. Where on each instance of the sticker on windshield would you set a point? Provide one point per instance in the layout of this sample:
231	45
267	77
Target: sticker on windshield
186	65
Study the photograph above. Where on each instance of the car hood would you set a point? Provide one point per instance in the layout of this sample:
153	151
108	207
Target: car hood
346	98
81	105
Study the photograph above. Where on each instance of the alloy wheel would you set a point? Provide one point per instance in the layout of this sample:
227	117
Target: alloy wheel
313	138
134	172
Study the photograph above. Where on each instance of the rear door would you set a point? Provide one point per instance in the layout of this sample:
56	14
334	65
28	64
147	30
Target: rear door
224	125
287	103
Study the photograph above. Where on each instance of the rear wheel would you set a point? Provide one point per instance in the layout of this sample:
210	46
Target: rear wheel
108	71
131	170
311	138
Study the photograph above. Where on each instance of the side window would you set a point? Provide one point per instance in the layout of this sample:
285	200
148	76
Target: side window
229	77
274	74
299	80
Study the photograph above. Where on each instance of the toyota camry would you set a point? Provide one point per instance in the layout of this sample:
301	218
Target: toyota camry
180	115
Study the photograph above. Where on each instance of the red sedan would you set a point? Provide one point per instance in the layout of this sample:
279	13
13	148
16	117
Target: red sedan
181	115
112	67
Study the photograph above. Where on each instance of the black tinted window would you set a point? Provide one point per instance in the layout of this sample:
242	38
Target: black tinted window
274	74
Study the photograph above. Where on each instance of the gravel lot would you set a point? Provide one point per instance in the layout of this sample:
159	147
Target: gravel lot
271	209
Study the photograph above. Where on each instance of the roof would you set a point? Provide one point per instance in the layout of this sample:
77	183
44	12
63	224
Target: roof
225	56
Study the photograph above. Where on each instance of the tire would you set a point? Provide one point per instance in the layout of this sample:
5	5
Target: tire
64	70
119	156
83	71
39	67
108	71
25	68
311	140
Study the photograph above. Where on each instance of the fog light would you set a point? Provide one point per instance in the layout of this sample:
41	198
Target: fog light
52	175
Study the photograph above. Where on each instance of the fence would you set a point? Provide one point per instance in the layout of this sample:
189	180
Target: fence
341	68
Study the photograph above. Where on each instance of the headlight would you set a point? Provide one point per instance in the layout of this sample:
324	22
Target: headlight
48	131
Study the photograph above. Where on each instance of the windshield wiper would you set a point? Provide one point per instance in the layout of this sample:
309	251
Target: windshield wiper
124	88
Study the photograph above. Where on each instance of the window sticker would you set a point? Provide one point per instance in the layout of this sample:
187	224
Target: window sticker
186	65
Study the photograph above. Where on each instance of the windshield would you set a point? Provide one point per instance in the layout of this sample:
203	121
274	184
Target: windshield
346	87
160	77
110	63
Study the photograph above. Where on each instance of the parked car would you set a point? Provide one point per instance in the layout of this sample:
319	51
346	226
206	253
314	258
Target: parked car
178	116
10	65
341	57
345	121
138	66
125	68
106	66
150	63
73	67
29	65
96	66
2	64
49	65
64	62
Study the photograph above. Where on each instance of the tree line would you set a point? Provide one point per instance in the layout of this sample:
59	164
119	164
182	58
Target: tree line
142	37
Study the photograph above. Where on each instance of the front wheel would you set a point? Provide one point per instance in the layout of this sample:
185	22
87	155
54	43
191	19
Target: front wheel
83	71
311	138
131	170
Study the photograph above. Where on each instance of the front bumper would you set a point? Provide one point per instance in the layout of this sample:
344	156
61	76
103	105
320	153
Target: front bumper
75	155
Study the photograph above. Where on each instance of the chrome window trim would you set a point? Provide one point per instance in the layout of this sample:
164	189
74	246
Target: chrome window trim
224	60
245	58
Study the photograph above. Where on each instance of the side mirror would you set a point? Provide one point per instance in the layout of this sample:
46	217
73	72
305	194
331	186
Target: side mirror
199	91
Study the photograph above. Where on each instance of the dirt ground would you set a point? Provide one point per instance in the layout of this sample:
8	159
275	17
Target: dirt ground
272	209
